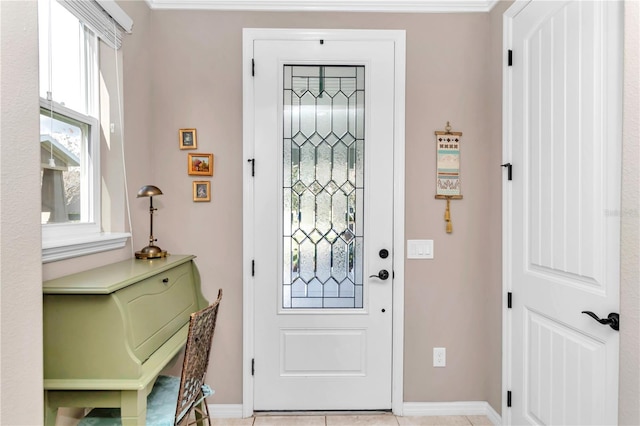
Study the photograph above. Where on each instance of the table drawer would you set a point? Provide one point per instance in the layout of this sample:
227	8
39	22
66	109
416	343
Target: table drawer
157	307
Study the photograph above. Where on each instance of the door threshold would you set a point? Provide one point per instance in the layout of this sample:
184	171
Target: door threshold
322	413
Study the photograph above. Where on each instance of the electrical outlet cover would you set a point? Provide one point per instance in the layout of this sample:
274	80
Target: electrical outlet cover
439	357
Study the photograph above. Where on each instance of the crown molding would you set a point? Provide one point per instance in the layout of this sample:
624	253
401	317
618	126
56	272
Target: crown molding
388	6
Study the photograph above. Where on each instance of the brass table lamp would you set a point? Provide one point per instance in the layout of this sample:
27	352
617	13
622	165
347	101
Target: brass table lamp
151	251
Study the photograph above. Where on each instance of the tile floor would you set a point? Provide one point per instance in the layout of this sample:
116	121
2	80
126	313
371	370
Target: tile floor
71	417
353	420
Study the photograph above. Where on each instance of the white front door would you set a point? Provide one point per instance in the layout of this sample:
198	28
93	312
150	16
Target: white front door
323	196
563	116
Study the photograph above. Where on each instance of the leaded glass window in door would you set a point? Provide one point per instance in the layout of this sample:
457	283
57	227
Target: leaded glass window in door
323	190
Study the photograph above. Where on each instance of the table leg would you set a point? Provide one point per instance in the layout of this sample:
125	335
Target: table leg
50	411
133	408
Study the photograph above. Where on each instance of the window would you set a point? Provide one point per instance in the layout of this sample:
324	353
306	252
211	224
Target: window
69	135
66	166
69	140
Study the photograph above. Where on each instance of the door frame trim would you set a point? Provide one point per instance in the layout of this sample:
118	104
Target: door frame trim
249	36
507	221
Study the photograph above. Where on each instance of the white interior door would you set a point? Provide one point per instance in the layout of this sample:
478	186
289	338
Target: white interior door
323	191
562	218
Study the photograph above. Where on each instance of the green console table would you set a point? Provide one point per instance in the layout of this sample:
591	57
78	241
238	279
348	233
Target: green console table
109	331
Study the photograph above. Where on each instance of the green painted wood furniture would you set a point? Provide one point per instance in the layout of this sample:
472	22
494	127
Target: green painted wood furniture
109	332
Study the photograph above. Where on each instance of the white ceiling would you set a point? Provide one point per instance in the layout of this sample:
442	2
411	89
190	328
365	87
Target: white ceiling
398	6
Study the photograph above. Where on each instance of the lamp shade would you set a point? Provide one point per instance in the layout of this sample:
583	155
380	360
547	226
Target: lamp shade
149	191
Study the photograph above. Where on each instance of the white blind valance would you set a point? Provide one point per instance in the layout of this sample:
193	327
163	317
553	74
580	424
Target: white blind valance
100	17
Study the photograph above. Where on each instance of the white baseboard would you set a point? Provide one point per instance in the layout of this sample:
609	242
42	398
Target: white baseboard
464	408
460	408
225	411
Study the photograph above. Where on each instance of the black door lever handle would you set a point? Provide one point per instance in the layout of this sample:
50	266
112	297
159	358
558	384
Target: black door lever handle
383	275
613	320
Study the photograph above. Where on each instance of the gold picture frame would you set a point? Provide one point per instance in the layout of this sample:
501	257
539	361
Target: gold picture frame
200	164
201	190
188	139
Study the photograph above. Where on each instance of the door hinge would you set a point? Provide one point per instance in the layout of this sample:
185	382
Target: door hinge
510	58
508	398
253	366
509	300
253	268
253	165
253	67
509	167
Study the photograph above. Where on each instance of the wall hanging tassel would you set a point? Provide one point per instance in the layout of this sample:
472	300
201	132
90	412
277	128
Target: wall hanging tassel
447	217
448	170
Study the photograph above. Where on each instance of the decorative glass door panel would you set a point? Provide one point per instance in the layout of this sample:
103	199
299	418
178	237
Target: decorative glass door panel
323	189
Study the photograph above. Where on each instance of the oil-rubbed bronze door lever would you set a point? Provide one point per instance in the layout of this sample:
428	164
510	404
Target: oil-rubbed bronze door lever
613	320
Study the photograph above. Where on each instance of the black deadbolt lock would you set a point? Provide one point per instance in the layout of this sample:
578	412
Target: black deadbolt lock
384	253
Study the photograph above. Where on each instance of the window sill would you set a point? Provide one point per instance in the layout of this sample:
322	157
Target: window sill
75	247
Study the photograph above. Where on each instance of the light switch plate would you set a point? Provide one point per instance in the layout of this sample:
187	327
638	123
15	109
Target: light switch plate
419	249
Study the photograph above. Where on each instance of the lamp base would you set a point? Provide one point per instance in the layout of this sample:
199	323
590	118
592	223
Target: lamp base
151	252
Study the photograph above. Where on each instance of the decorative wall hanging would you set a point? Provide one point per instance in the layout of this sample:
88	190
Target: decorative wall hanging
448	169
200	164
187	139
201	190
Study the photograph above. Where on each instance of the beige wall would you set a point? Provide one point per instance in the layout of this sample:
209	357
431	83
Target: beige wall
630	225
20	267
452	301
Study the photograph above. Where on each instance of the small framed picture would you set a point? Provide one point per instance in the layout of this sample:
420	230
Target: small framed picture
200	164
201	190
188	139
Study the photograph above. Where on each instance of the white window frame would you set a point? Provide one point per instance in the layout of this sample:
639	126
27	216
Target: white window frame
67	240
90	172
